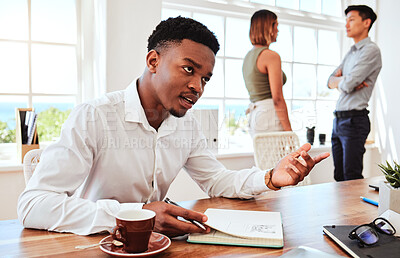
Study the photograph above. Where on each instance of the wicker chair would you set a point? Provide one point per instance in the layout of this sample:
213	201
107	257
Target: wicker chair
269	148
31	160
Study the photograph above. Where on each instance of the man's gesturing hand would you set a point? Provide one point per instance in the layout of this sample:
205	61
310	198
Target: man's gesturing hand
294	167
167	222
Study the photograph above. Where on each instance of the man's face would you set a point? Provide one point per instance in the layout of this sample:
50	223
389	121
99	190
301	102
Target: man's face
355	26
181	74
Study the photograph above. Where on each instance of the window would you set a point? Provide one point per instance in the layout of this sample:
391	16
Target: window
38	64
309	39
309	55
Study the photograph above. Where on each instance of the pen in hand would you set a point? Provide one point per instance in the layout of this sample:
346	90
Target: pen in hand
167	200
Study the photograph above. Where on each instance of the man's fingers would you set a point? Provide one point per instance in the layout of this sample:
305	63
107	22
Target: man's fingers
306	147
303	167
320	157
167	221
293	172
176	225
362	85
299	167
309	161
295	167
312	161
307	158
186	214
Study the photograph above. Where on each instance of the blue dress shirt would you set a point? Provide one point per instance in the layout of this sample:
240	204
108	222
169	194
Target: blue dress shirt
362	63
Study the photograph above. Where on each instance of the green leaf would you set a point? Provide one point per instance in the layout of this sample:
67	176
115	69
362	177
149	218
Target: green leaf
388	165
391	173
397	166
395	184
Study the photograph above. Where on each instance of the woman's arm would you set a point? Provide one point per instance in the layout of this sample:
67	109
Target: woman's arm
270	62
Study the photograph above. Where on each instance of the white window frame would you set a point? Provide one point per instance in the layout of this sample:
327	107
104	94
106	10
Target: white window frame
29	42
10	148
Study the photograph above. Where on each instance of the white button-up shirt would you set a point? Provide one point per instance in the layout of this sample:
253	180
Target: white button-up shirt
109	158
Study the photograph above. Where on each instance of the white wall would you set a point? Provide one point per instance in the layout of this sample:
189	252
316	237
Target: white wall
12	183
129	24
387	95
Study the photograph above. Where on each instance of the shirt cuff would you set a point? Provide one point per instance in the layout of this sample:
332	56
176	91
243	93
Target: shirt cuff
259	182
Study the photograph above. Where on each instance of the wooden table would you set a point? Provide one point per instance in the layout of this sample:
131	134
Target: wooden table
304	211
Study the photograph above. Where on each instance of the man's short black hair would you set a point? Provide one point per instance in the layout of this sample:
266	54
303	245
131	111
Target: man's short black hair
174	30
364	11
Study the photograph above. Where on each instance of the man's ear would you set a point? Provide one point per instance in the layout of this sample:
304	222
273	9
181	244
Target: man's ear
367	23
152	59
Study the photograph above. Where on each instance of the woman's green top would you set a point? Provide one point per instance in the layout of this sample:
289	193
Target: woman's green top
257	83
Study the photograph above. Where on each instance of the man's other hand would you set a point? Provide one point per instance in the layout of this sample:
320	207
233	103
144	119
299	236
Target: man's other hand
362	85
167	221
335	79
292	169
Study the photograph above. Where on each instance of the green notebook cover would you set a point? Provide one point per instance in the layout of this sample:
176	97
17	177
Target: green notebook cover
218	238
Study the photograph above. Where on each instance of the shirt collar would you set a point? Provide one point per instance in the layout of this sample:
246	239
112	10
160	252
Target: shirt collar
134	112
133	108
362	43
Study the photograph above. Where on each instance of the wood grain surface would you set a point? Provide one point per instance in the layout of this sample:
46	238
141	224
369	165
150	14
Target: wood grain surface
304	211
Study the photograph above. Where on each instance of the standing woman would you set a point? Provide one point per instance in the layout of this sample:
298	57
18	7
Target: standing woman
264	78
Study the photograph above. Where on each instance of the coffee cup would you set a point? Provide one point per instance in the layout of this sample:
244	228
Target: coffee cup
133	229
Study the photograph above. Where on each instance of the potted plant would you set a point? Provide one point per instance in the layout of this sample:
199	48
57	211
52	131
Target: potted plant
389	190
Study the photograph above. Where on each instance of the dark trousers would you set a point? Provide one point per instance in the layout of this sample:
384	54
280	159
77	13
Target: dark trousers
348	139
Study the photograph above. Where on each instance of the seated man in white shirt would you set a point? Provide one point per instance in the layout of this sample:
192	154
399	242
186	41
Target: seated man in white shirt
124	150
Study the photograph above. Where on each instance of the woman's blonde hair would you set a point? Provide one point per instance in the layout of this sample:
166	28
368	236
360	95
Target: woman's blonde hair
262	23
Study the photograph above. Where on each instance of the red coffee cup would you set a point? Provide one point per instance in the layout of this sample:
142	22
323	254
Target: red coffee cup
134	228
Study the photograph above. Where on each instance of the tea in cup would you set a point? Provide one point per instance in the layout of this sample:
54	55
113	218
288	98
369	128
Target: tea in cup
134	228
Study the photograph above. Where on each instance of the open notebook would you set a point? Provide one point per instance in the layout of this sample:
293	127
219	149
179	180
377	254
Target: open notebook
245	228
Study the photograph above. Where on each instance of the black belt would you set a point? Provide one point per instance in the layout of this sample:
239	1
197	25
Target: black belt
350	113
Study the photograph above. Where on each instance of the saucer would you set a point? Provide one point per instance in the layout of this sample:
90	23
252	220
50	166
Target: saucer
158	243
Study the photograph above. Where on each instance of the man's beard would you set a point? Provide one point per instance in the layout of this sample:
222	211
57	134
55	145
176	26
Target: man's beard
176	113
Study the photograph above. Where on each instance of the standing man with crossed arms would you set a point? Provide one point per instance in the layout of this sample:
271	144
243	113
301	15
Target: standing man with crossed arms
354	79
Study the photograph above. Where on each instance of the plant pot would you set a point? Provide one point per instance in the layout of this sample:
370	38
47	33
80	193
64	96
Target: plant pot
389	198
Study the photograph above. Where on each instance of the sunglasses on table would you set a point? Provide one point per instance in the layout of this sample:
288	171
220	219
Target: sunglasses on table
367	234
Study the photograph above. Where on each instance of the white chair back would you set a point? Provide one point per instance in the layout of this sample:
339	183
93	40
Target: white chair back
269	148
31	160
